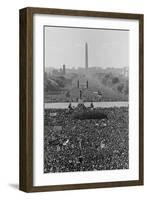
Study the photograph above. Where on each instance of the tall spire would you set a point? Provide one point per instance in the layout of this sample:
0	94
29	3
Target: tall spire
86	56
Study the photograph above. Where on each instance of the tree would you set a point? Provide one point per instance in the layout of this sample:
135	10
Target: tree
115	80
120	87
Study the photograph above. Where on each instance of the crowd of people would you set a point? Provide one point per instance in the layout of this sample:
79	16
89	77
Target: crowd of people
85	145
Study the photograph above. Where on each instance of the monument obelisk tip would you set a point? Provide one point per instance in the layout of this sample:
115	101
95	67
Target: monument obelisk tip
86	56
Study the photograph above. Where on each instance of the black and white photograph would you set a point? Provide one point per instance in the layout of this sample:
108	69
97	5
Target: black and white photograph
81	99
86	99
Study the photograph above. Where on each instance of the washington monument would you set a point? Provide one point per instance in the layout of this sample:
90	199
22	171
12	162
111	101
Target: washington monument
86	56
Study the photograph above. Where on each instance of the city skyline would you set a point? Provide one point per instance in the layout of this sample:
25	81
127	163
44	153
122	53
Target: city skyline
69	46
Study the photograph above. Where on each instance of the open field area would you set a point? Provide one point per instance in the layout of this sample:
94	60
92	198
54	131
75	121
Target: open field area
85	145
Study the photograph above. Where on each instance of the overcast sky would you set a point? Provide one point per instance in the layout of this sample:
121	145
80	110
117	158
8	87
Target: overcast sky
106	48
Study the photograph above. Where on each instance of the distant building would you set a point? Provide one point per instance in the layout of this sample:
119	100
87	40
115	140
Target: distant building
126	71
56	72
64	69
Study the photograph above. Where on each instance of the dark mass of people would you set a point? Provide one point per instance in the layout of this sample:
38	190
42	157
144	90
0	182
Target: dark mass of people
85	145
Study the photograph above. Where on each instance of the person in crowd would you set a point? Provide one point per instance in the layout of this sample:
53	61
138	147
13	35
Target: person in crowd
91	105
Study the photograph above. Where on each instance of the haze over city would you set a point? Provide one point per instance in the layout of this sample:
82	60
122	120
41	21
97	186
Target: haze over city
106	48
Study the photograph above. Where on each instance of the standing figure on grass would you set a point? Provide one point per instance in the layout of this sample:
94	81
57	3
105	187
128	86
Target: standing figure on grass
91	105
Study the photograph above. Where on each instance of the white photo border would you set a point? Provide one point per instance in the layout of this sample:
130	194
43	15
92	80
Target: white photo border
39	177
